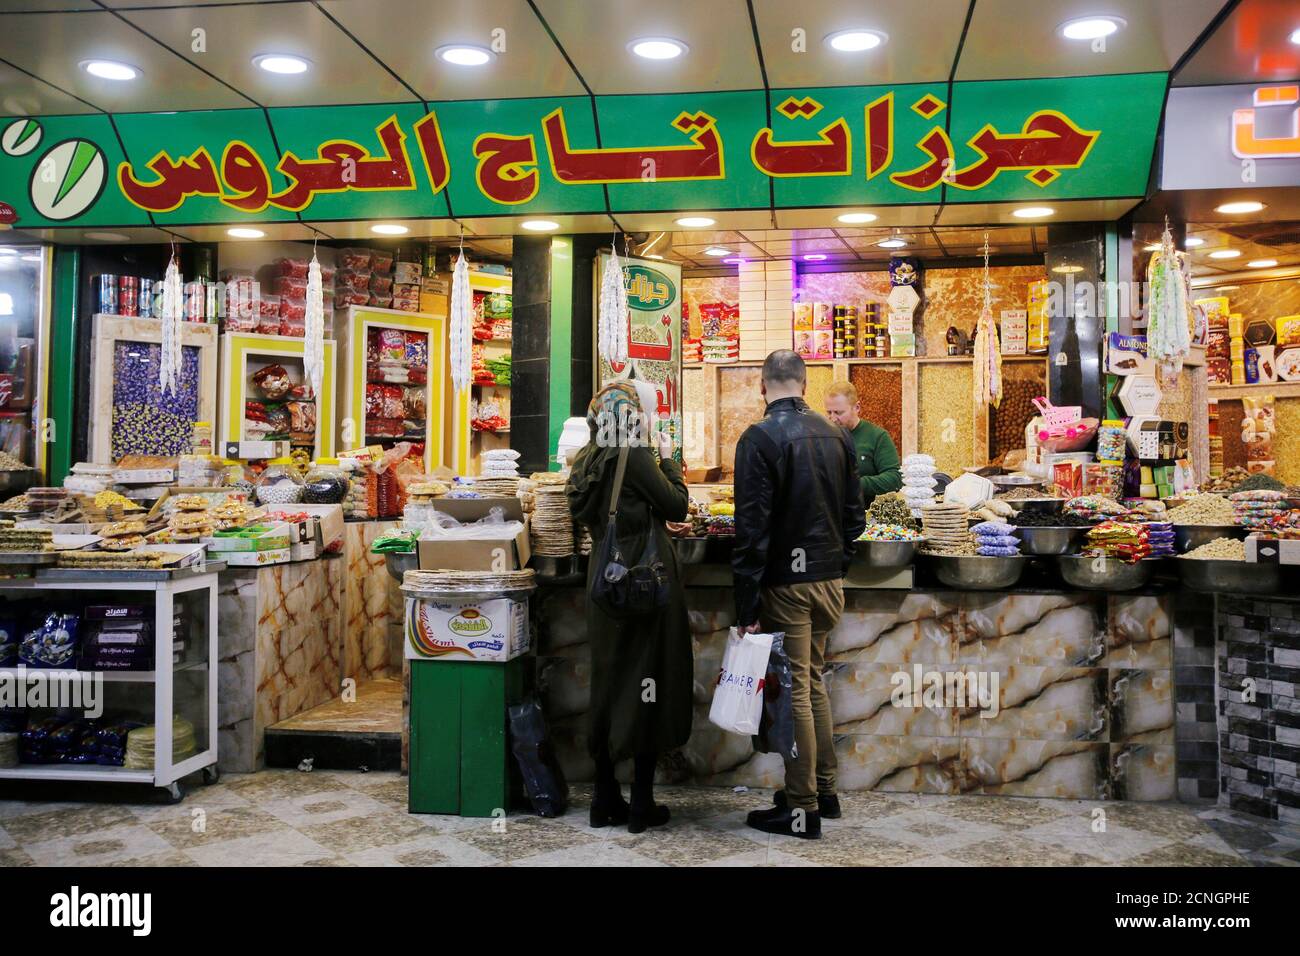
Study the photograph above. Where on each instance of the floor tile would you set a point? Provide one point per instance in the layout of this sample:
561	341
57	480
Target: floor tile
592	854
284	847
428	849
99	848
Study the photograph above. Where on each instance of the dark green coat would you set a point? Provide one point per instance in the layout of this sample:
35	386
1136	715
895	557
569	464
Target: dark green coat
625	653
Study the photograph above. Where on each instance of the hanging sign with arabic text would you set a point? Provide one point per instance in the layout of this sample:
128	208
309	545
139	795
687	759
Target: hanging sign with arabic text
1071	138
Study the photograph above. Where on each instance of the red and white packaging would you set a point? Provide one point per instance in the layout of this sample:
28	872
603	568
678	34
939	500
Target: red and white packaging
381	284
240	302
294	310
294	268
381	261
381	301
268	315
353	279
293	324
407	273
354	258
290	287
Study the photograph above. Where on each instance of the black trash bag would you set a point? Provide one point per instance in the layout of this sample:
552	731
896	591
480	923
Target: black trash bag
776	725
543	779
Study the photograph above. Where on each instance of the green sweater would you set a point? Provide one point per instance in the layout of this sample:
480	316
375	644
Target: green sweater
877	461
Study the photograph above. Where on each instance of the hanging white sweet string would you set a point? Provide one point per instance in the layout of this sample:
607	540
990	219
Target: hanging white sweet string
313	349
461	330
987	366
1169	336
173	309
611	326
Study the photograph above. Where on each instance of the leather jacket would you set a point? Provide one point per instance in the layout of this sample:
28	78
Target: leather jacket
798	503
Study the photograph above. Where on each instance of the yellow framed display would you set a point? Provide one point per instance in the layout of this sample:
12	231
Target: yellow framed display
446	436
136	406
242	353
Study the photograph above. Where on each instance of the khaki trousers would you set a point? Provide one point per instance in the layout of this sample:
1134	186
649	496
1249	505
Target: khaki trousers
807	613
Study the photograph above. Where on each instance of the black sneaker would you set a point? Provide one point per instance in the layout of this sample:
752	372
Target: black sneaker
804	824
828	805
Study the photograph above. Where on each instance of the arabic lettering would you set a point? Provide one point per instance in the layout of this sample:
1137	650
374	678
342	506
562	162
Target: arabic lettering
341	165
830	154
507	167
177	180
700	160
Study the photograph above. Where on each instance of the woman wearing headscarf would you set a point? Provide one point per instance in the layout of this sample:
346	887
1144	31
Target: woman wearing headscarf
630	717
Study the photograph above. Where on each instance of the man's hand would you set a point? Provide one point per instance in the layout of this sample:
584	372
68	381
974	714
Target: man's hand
678	529
748	628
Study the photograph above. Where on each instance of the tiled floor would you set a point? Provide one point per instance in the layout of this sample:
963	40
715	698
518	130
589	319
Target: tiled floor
327	818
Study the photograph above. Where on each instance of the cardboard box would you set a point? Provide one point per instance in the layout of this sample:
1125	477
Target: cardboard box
495	630
507	554
144	476
1272	550
248	450
1014	338
275	538
236	559
305	551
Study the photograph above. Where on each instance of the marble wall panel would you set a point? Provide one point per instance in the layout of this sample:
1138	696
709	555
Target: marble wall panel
370	604
740	404
1083	708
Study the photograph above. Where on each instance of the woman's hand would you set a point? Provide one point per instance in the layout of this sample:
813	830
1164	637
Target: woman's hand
678	529
665	446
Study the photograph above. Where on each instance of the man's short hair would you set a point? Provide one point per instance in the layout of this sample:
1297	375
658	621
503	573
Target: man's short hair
843	390
784	366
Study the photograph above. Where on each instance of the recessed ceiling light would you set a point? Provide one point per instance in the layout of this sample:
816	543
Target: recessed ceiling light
653	255
1067	270
892	244
1227	288
856	217
695	222
461	54
281	63
657	48
855	41
1090	28
734	260
31	258
1245	205
6	251
1033	212
814	257
389	229
106	236
1295	36
1261	263
109	69
539	225
243	232
1225	254
717	251
1194	241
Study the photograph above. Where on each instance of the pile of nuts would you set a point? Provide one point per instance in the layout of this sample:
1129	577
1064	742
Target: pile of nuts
1013	414
1203	510
1220	549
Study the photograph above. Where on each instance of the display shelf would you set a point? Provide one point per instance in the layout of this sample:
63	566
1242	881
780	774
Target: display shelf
1276	389
199	706
891	360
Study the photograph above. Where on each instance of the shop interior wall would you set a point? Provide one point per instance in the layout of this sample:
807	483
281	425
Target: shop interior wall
952	297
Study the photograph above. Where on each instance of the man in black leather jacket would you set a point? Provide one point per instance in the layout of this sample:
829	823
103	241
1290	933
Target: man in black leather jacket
798	511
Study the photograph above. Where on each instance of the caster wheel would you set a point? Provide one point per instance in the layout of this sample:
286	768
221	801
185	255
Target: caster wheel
174	793
211	775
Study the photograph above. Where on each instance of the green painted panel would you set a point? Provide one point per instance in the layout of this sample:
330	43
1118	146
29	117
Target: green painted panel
434	785
484	776
63	379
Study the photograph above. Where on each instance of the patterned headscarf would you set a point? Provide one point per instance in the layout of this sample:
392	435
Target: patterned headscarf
614	413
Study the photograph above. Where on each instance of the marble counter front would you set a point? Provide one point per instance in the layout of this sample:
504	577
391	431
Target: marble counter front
1078	689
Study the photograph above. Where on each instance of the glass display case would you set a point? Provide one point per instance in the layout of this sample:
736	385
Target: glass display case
24	347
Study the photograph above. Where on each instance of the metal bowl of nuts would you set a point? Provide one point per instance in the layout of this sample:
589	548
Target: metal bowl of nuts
1099	573
1188	537
1230	577
887	554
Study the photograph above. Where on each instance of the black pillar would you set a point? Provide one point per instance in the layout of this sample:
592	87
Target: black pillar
1075	259
530	352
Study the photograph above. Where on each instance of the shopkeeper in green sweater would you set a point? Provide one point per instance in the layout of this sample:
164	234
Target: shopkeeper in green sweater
877	454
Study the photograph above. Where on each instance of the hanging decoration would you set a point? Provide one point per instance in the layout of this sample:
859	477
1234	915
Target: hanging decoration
611	334
988	351
313	350
1169	315
462	322
173	309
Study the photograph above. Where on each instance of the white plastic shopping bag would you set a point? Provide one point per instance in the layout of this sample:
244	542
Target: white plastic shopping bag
738	698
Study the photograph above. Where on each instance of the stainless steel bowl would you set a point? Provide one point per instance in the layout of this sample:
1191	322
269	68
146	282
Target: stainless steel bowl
548	566
399	562
1188	537
1104	574
1230	577
977	573
887	554
690	550
1043	540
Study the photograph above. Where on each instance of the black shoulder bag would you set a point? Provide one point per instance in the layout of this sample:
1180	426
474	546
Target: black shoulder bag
618	590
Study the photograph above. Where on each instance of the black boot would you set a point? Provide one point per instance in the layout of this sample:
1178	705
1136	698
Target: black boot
783	821
607	804
828	805
644	811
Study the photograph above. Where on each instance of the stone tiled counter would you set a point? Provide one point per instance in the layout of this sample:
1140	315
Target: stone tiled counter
1084	707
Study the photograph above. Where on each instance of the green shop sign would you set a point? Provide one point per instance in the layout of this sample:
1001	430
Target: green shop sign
1072	138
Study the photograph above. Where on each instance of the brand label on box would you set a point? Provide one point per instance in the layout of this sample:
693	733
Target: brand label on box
493	630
